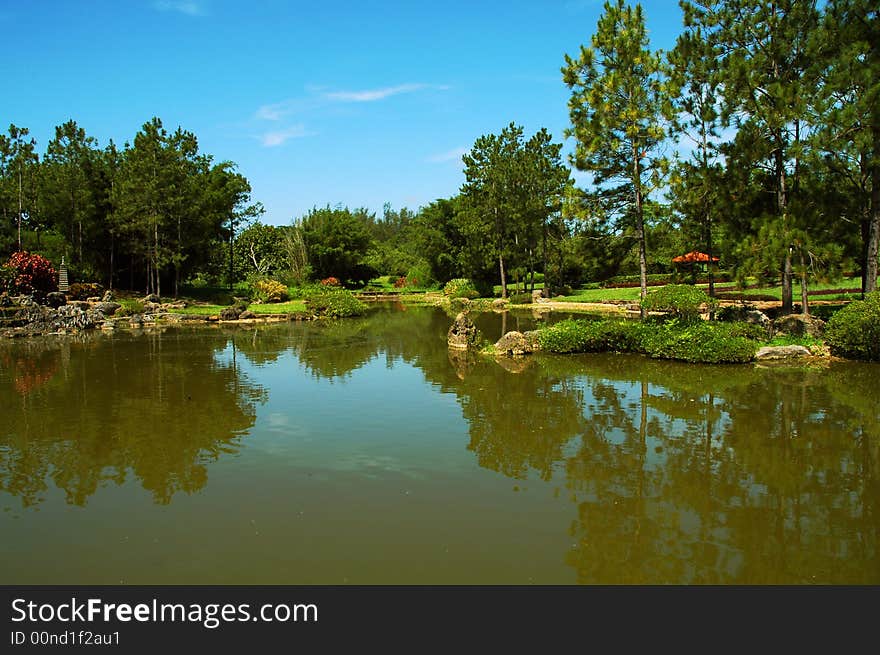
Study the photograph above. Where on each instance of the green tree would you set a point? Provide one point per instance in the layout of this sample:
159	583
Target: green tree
766	92
18	170
845	52
617	115
695	182
67	190
337	241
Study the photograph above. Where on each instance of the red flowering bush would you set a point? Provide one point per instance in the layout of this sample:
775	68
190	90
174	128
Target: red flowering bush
403	281
31	274
330	282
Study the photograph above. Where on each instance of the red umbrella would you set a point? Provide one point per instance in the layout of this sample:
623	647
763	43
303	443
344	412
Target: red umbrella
692	257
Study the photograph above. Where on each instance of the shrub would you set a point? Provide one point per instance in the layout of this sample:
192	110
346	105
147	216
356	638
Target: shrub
129	307
269	290
30	274
712	343
406	282
697	342
854	331
460	288
84	290
420	274
521	298
330	282
678	300
334	302
583	336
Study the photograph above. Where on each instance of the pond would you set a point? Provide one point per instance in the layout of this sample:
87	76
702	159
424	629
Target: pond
364	452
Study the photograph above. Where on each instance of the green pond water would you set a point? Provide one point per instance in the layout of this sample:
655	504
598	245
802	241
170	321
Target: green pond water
364	452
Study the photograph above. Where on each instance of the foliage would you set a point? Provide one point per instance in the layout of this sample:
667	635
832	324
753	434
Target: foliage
520	298
582	336
617	113
337	241
703	342
330	282
84	290
333	302
261	249
269	290
30	274
460	288
680	300
854	331
513	189
697	342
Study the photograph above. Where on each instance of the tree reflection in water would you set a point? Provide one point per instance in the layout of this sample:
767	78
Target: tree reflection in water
149	406
675	473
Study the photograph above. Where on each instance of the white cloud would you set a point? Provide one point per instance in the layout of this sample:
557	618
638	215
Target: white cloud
279	137
450	155
371	95
273	112
188	7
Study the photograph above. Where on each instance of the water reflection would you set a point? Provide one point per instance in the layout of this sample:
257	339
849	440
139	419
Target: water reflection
158	407
653	472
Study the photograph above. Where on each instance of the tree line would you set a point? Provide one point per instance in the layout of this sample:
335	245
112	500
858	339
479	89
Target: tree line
756	139
154	211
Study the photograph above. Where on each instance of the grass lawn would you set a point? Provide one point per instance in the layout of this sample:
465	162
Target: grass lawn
632	293
291	307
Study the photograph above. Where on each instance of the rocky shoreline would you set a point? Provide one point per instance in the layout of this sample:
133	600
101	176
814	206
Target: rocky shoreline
23	317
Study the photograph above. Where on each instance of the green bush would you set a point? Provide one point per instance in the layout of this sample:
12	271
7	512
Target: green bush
333	302
854	331
84	290
692	342
712	343
584	336
269	290
825	312
678	300
460	288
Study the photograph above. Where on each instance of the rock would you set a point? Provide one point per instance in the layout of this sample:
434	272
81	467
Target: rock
5	300
151	307
799	325
108	325
500	303
782	352
538	295
247	314
230	313
516	343
462	361
80	304
55	299
463	334
462	303
108	296
151	298
108	308
179	304
93	299
745	315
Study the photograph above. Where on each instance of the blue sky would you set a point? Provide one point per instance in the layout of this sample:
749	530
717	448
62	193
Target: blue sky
358	103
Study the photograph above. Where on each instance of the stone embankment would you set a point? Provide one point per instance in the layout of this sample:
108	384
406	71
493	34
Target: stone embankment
21	316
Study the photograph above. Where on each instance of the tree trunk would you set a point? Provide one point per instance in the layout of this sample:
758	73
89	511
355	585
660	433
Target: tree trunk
640	233
503	275
871	264
805	305
782	205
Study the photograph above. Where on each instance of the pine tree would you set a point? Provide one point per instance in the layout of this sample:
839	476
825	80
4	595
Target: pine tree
617	115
